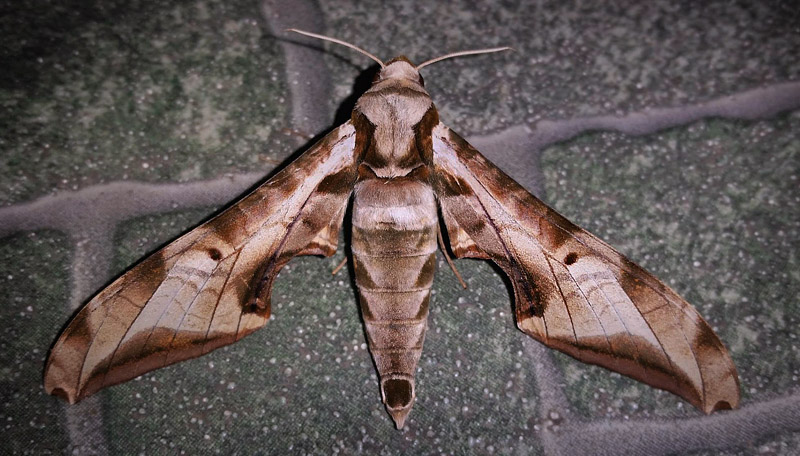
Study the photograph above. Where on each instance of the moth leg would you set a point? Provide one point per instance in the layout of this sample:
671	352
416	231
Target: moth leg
447	257
340	266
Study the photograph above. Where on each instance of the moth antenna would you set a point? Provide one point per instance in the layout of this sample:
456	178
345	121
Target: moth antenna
461	53
334	40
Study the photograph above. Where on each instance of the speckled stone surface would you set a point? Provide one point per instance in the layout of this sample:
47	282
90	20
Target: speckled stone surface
668	129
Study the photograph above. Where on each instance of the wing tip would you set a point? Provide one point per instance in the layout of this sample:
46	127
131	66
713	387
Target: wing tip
722	402
533	327
54	382
61	393
720	405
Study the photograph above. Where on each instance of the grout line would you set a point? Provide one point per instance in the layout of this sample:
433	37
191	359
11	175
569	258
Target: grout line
722	430
89	211
85	427
306	73
549	383
758	103
91	263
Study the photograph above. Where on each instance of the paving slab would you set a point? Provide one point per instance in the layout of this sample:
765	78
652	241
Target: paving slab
34	274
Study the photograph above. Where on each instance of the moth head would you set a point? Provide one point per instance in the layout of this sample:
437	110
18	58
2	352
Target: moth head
399	68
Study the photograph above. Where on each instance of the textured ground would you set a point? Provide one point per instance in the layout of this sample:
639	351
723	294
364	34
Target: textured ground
669	129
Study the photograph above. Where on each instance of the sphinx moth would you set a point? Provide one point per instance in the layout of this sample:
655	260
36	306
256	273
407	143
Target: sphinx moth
406	173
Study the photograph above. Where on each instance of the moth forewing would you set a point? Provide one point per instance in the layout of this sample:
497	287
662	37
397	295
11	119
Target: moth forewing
572	292
210	287
575	293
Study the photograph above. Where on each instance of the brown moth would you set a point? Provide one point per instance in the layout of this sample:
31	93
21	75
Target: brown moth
406	173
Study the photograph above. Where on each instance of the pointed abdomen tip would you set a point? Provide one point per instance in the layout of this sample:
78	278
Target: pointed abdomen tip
398	395
399	416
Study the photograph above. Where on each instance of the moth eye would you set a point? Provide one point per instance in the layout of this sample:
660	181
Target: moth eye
214	254
571	258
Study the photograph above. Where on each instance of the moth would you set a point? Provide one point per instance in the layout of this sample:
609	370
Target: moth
408	176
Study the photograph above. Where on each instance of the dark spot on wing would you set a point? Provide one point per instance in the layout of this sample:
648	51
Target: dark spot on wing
214	254
705	339
256	306
571	258
250	307
555	235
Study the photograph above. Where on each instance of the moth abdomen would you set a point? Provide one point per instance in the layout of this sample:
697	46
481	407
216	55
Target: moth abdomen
394	245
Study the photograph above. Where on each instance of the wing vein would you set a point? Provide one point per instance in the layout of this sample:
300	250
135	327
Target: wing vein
612	305
563	298
100	327
694	356
187	311
594	312
156	324
219	297
114	353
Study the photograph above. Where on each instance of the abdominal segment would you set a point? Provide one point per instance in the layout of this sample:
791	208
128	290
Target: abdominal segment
394	260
